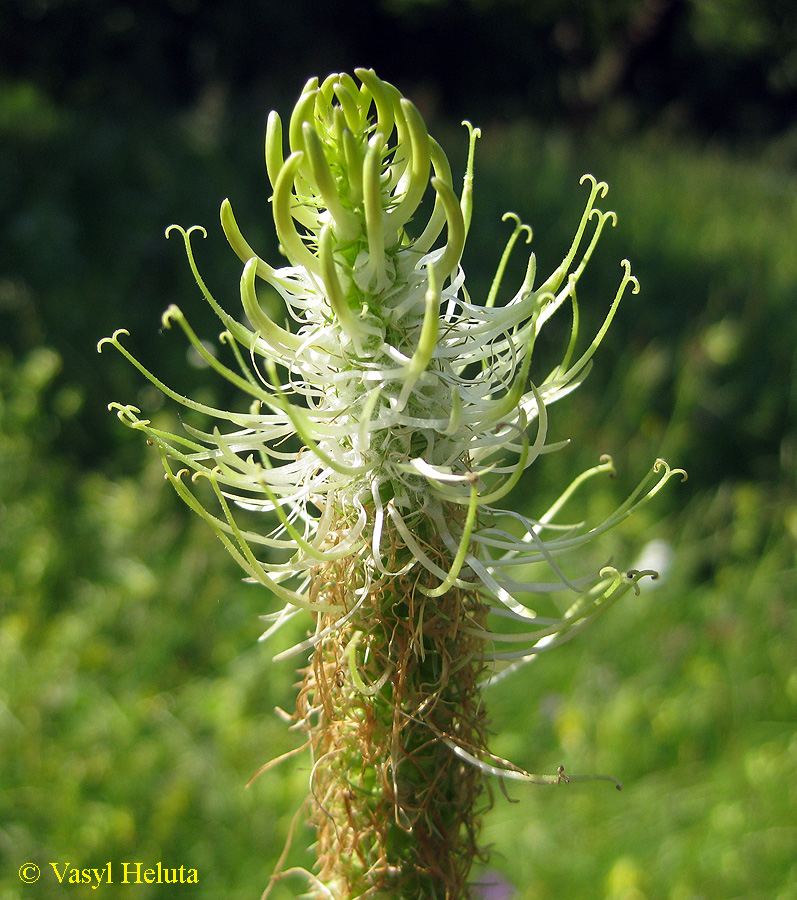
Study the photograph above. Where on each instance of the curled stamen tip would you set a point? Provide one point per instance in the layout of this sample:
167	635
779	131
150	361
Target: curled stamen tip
607	461
129	414
599	186
186	232
634	575
211	476
628	277
519	225
641	573
172	312
476	132
669	472
113	339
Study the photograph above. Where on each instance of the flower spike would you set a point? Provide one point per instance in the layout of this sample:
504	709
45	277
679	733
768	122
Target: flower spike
385	421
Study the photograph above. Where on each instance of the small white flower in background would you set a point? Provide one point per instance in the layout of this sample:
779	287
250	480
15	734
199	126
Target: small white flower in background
656	555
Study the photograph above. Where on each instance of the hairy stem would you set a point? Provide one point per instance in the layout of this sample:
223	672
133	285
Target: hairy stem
396	811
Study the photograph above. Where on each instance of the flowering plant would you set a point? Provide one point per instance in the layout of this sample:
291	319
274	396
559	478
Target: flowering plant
413	406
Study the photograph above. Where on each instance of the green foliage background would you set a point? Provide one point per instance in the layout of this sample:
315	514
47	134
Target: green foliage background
135	701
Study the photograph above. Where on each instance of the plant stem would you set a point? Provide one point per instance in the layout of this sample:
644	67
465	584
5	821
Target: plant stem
397	812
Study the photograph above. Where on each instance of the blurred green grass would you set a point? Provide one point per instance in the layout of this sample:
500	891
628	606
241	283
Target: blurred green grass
135	703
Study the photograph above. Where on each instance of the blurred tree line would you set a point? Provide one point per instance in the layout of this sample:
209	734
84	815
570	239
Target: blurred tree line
721	67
